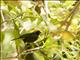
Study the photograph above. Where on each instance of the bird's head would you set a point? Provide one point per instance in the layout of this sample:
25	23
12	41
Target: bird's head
38	32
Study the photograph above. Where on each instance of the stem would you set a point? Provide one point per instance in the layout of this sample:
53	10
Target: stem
30	50
4	24
17	31
17	49
71	15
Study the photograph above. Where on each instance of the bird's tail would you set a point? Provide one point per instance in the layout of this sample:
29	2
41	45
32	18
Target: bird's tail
15	39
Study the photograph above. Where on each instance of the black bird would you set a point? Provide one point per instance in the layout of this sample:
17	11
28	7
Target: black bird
29	37
29	57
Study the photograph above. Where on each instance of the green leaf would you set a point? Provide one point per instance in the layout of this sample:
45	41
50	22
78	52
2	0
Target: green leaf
2	37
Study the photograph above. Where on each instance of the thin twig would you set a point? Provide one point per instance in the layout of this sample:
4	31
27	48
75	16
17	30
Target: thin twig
70	15
30	50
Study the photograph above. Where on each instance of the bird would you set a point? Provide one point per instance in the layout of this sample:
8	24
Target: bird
29	37
30	56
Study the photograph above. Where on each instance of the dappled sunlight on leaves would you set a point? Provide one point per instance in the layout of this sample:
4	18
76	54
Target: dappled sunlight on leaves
57	21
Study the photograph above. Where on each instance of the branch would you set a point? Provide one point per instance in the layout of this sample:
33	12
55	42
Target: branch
30	50
70	15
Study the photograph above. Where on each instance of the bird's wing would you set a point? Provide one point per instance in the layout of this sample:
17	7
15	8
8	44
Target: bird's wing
26	35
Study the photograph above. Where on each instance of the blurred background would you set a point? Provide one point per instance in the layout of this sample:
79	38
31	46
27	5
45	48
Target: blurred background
57	20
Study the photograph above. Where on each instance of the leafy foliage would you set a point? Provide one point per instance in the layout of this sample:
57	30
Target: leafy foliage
58	22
